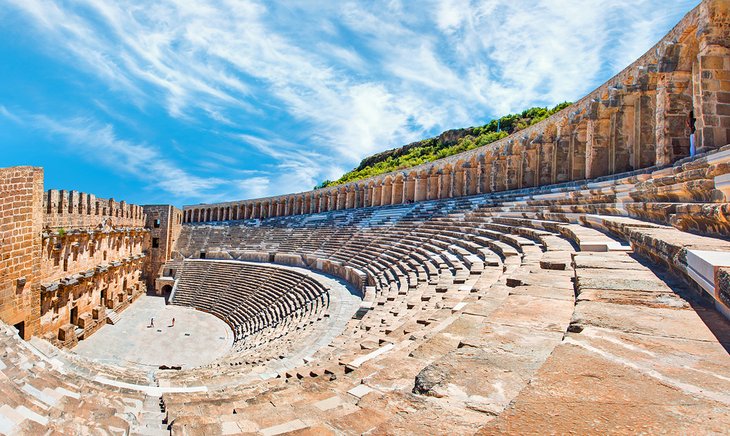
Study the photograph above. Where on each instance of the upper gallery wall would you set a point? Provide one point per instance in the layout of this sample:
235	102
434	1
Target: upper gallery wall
637	119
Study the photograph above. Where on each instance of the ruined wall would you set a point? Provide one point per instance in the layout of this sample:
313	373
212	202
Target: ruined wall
164	223
78	210
21	192
83	273
68	259
92	260
636	120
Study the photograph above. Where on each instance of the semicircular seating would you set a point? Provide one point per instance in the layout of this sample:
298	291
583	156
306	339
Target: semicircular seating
581	307
475	307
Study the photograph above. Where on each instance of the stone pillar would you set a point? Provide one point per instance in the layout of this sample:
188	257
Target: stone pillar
367	199
597	142
420	188
409	188
433	186
378	194
358	192
578	151
386	196
563	153
319	202
529	165
445	183
398	190
713	93
471	179
673	104
350	201
546	158
458	184
341	198
513	170
486	169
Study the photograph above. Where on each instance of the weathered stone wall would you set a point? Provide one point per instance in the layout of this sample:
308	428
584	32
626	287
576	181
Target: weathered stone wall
93	258
69	258
638	119
84	272
78	210
164	223
21	192
77	306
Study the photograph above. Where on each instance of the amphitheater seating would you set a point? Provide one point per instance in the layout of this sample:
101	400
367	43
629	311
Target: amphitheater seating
58	394
475	307
588	307
260	303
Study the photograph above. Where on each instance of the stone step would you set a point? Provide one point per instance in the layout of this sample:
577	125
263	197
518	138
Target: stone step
112	317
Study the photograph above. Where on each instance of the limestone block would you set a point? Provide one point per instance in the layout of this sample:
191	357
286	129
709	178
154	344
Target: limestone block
704	267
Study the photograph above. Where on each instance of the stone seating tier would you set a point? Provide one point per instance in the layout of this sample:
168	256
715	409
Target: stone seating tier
473	312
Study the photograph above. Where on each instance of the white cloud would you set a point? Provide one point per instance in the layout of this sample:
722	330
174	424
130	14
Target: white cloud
100	145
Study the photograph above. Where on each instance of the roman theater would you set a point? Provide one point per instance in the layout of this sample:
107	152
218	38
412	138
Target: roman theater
573	277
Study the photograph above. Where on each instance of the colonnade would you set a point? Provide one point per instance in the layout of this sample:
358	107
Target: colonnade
638	119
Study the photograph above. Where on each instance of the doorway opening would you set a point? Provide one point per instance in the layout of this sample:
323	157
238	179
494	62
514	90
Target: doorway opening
20	327
166	291
74	315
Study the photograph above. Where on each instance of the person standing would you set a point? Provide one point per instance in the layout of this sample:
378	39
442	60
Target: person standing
691	126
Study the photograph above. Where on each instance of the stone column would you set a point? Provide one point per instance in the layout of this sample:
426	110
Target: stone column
358	192
319	202
513	171
386	196
341	198
367	196
378	194
597	145
713	93
563	153
433	185
397	190
409	188
458	189
673	104
445	184
545	162
471	182
420	188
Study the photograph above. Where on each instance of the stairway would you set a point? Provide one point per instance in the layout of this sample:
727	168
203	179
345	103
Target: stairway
150	420
112	317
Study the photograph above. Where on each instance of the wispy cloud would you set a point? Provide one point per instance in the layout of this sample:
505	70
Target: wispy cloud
100	144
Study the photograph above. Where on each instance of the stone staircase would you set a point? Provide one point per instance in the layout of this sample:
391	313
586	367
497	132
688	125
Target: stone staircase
152	419
112	317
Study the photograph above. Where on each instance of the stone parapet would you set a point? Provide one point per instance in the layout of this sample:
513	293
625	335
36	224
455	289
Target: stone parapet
78	210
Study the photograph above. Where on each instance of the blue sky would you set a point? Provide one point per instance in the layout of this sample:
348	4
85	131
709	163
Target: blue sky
190	101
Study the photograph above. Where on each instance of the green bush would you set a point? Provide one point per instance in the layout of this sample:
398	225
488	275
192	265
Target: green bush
431	149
